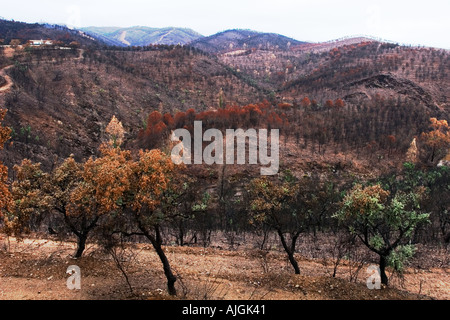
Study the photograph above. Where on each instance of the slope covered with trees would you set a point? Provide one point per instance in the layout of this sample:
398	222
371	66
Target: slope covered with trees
364	149
22	32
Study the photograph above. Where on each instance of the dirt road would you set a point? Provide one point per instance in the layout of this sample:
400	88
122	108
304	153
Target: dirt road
36	269
9	83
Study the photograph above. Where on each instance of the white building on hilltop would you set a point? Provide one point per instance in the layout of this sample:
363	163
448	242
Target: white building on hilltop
40	42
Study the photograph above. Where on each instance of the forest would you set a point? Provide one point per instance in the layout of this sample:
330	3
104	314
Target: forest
364	173
122	194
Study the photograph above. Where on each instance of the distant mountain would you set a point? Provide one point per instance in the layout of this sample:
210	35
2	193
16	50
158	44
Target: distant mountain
35	31
238	39
329	45
142	36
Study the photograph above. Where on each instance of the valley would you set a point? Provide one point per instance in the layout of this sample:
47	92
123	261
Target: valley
86	175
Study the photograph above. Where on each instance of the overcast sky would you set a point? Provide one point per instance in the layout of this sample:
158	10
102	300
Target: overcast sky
406	22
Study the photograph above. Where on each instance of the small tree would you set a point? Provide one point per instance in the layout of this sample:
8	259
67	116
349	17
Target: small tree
6	202
30	199
437	141
61	183
14	43
116	132
384	223
102	189
105	181
273	203
151	176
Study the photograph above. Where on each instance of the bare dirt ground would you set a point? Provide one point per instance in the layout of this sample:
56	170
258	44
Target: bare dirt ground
35	269
7	83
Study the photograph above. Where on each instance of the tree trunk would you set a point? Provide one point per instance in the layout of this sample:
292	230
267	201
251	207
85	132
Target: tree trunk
171	279
384	278
157	244
289	252
181	234
81	245
294	263
447	238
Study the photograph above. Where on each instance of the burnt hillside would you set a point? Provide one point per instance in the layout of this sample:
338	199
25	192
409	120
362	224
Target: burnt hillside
10	30
62	100
344	99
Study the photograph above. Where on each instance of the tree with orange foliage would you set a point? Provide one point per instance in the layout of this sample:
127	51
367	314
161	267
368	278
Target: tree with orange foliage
329	104
169	121
103	188
190	115
254	114
391	141
156	129
305	103
152	175
101	192
5	195
339	103
154	118
437	141
180	118
30	199
129	194
38	194
284	106
136	200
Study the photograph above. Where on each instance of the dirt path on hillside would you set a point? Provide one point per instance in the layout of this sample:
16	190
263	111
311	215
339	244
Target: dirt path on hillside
122	38
165	35
8	81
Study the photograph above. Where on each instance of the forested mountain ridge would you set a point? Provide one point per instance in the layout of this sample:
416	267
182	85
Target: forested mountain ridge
22	32
241	39
95	83
143	36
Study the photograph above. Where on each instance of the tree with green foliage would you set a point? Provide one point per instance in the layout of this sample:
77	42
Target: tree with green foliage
435	180
273	203
384	222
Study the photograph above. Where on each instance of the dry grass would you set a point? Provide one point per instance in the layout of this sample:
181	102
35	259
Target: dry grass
36	269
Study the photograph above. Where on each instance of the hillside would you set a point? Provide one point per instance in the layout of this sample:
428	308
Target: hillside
354	72
142	36
10	30
316	47
68	104
238	39
362	124
66	97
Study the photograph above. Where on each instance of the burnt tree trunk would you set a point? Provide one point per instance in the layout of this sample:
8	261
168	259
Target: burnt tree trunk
156	242
81	244
82	232
290	250
384	278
